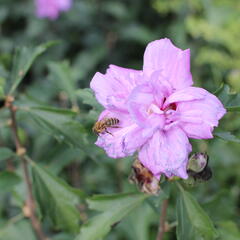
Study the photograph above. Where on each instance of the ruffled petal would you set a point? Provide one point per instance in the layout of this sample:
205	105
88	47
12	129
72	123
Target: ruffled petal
135	139
113	88
126	139
65	4
139	102
198	117
186	94
130	78
113	144
161	87
174	63
166	153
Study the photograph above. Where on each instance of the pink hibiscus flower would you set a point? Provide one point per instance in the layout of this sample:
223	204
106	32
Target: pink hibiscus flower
51	8
158	110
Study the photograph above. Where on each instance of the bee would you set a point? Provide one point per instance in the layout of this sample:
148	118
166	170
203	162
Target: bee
145	180
100	127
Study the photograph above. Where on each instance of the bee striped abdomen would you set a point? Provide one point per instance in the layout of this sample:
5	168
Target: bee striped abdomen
101	126
111	122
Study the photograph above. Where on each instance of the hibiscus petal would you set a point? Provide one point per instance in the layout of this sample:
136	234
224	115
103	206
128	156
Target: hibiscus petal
173	62
113	144
51	8
65	4
198	117
135	139
130	78
186	94
161	87
124	140
112	89
166	153
139	102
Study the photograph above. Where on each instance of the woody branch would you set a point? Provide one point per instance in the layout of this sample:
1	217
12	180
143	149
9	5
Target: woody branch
20	150
161	229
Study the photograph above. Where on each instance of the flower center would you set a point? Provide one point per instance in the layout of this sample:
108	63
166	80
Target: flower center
169	113
171	106
153	108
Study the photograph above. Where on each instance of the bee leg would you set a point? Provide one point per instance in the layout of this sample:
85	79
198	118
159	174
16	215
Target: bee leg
108	132
115	127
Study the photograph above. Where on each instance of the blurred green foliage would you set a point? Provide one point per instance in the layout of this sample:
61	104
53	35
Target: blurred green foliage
57	110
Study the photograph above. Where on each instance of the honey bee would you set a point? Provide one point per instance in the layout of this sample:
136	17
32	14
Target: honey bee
145	180
100	127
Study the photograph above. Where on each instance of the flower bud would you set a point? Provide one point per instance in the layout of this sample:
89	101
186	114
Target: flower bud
198	167
197	162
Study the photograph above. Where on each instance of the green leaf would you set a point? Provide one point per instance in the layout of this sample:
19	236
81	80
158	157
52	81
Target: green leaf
88	60
5	153
185	230
62	236
63	73
63	158
62	111
114	208
230	101
228	230
2	85
197	218
8	180
22	61
138	224
88	98
19	230
1	92
56	199
227	136
137	32
117	9
60	124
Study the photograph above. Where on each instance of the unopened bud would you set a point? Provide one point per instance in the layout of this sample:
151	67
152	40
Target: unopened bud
198	167
197	162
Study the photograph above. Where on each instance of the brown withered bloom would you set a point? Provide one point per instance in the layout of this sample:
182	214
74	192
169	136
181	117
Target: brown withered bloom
144	179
